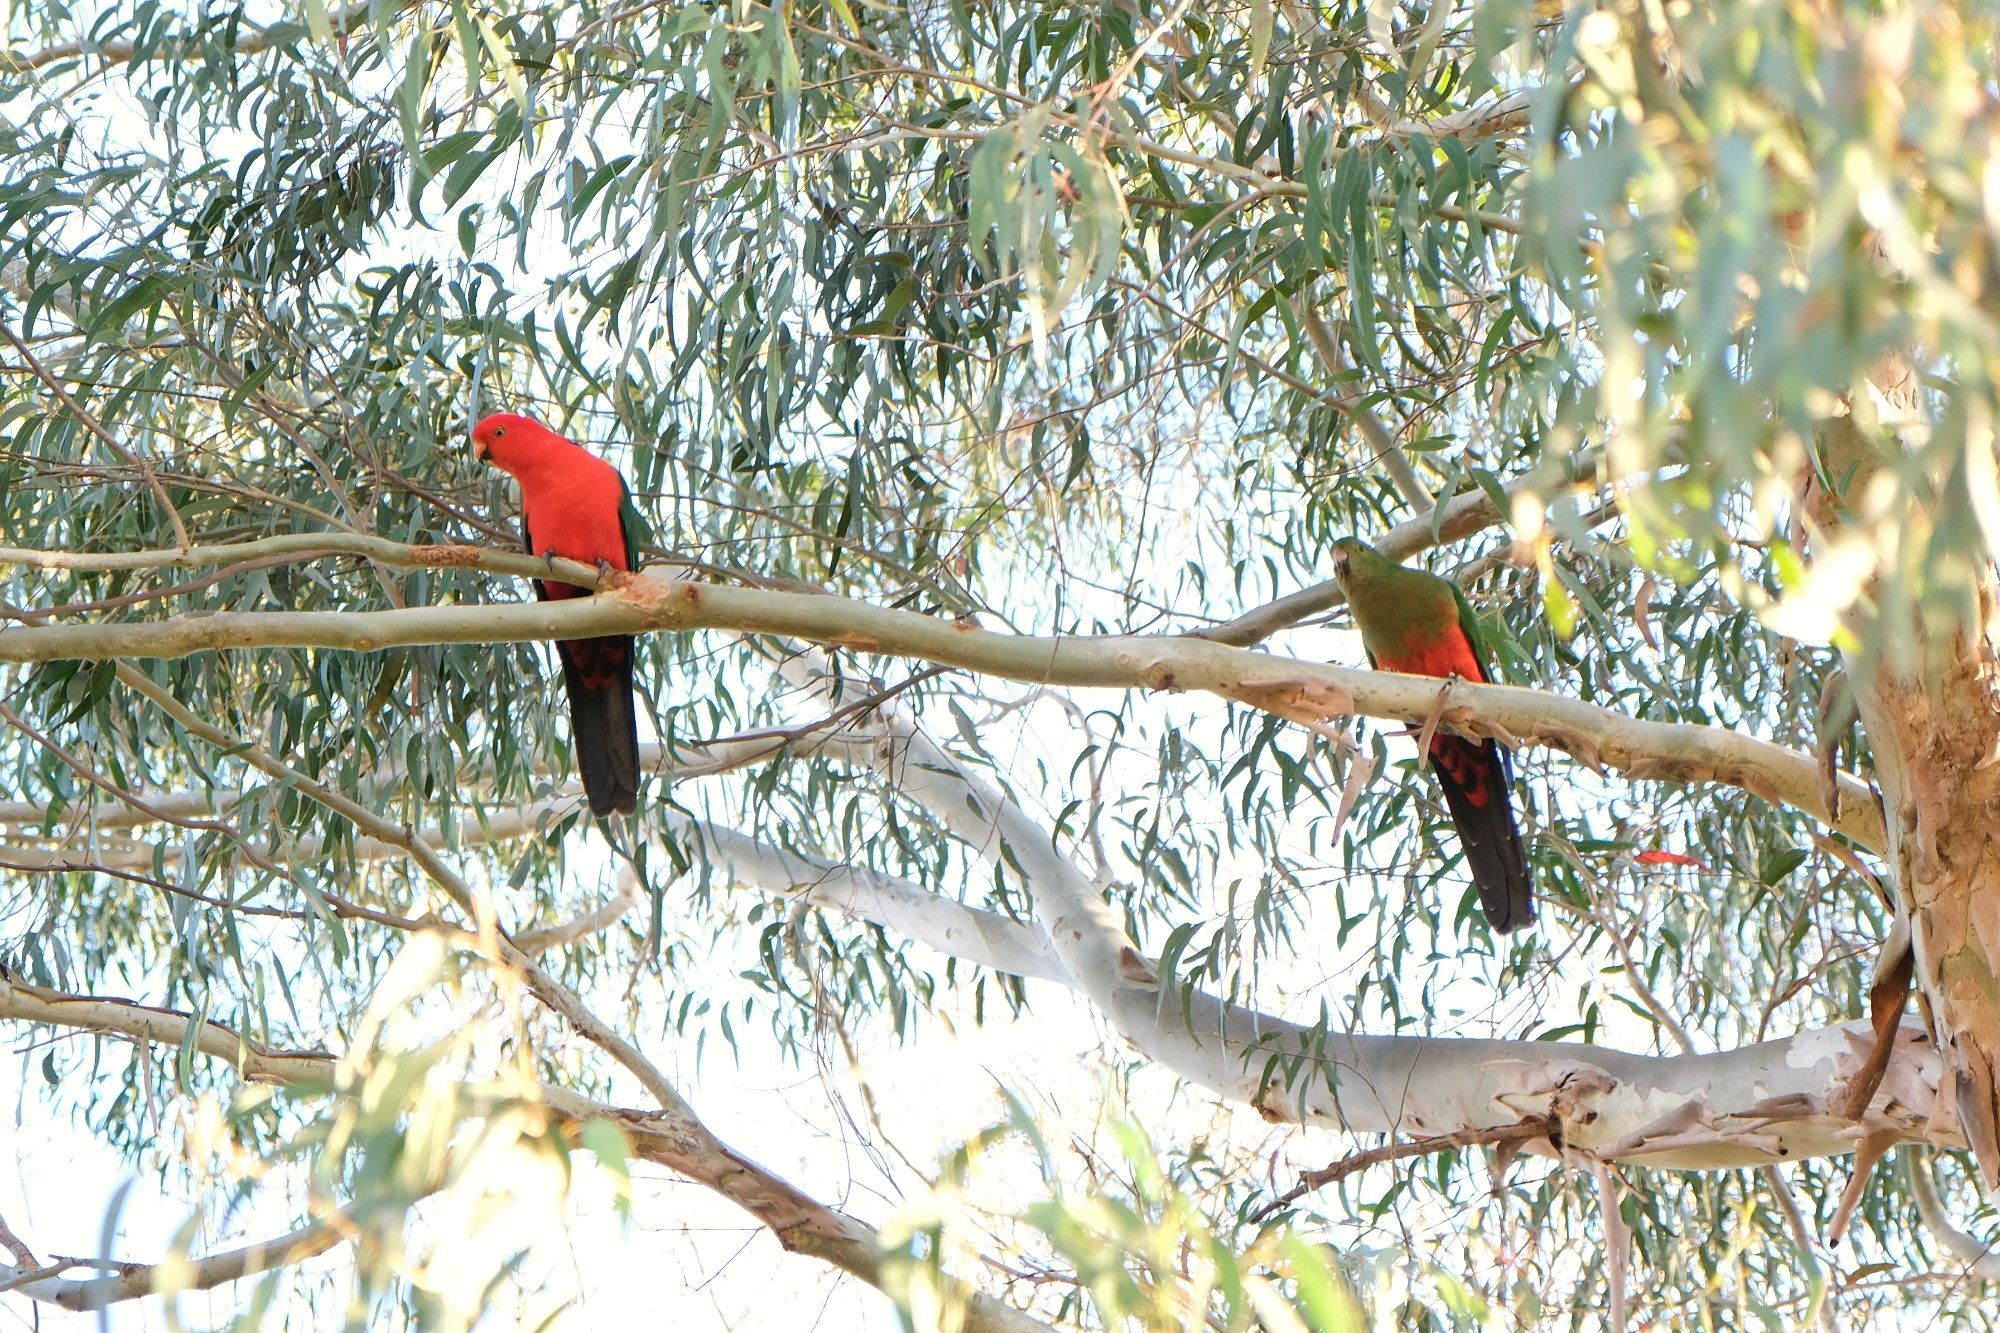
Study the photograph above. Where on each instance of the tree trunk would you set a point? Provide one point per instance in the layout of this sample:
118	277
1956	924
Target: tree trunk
1935	750
1933	723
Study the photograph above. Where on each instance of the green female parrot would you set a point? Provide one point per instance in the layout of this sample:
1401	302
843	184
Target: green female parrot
1415	622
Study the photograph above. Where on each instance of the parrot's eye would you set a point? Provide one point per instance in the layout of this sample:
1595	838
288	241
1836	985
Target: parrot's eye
498	431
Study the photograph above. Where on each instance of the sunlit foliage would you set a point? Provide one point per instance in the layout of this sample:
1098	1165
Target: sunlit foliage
1088	318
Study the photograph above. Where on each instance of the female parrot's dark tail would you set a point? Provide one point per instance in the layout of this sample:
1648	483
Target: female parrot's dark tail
598	676
1475	778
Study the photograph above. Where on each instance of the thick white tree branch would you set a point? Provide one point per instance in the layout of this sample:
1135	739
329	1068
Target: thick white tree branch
1775	1101
907	908
1082	930
1304	691
1981	1261
583	925
911	910
23	816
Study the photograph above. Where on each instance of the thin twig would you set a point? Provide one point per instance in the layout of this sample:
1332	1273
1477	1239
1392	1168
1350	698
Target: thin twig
557	996
1980	1260
118	1281
1820	1312
1388	451
15	1246
95	427
122	49
1463	515
39	615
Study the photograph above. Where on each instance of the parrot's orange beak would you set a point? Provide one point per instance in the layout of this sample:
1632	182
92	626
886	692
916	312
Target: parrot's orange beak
479	450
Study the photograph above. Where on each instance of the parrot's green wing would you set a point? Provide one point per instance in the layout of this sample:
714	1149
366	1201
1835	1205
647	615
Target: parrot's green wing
631	523
1468	622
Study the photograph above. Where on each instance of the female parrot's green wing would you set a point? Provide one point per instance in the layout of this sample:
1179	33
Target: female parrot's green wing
1468	622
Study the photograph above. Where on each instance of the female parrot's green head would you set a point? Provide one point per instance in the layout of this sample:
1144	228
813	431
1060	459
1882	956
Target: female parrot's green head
1383	596
1356	562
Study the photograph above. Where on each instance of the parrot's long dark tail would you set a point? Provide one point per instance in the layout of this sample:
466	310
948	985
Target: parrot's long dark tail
1475	779
598	676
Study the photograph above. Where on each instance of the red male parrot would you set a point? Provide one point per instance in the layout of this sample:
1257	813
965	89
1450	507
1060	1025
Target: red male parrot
575	505
1417	623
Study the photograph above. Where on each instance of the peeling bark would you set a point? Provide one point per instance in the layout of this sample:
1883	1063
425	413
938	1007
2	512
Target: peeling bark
1932	746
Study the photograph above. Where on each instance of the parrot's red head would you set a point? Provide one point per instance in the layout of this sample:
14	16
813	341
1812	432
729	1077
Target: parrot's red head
510	442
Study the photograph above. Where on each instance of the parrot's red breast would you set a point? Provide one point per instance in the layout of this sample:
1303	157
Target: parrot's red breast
571	500
573	506
1449	654
1427	653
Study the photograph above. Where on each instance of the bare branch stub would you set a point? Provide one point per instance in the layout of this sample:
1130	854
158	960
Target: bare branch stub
1524	1131
15	1246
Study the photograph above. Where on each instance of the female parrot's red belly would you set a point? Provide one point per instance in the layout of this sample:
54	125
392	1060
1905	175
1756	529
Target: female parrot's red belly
1449	654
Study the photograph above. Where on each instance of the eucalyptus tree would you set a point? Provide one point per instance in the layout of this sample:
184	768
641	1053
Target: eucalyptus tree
995	380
